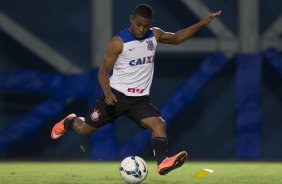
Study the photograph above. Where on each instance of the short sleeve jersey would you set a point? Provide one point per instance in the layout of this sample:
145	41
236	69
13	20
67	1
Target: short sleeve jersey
134	68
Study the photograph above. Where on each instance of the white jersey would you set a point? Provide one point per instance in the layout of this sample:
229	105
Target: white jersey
134	68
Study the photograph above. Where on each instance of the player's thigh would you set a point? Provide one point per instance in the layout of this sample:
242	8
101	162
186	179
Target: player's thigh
145	114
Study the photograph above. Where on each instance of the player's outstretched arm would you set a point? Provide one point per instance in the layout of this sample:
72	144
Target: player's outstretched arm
182	35
113	50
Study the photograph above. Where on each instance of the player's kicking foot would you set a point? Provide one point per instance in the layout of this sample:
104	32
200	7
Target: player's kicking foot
172	163
59	129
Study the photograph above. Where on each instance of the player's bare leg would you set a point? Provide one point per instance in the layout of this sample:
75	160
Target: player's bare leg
157	126
80	127
160	146
71	122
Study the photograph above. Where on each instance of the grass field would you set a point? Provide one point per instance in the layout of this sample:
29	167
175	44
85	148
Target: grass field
107	172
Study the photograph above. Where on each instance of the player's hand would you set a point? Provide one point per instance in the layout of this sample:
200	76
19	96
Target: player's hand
110	98
206	20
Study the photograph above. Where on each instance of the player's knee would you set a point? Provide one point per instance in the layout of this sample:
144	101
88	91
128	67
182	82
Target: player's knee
159	124
162	125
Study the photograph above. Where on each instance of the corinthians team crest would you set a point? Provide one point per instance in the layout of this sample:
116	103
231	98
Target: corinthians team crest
95	115
150	45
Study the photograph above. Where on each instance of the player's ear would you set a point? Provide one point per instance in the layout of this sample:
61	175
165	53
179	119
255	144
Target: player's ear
131	18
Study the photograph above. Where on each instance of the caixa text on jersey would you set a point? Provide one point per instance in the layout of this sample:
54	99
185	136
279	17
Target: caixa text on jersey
142	61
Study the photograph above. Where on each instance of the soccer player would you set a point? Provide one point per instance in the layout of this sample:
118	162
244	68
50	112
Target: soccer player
126	92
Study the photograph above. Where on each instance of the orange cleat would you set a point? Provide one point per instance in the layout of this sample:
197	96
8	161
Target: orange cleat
172	163
59	129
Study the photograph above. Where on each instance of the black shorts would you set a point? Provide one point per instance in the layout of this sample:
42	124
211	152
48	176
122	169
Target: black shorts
135	108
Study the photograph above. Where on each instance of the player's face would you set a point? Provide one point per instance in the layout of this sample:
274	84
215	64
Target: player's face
139	25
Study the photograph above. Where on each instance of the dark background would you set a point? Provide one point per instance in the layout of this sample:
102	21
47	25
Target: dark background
206	128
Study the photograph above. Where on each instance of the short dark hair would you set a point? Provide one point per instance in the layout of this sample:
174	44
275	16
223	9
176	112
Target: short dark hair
144	10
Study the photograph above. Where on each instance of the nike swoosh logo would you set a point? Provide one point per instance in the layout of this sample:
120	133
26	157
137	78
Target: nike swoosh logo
55	136
131	49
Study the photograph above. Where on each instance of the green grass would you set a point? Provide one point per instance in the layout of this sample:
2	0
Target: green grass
107	172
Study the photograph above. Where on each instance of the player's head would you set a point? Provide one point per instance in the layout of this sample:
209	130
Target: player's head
141	20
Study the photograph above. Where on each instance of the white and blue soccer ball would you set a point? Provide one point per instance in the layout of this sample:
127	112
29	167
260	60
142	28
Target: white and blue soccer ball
133	169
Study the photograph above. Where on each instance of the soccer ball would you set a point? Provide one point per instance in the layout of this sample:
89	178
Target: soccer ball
133	169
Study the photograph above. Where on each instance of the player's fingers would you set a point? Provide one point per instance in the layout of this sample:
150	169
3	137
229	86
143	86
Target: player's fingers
108	101
114	98
111	101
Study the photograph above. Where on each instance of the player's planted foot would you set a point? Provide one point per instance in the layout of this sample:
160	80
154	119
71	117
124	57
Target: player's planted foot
59	129
172	163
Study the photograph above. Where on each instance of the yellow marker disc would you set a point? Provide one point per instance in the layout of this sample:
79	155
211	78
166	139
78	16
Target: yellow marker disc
203	172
